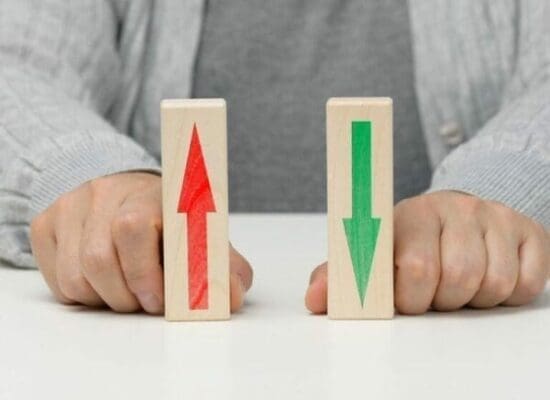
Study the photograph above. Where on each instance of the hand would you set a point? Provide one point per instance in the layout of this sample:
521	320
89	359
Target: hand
452	250
101	244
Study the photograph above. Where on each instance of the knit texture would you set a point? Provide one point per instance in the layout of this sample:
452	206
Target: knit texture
81	82
297	55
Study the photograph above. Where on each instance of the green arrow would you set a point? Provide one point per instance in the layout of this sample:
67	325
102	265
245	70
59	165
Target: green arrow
361	229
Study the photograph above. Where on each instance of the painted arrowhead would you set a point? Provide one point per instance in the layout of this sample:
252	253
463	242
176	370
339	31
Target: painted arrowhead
362	234
196	193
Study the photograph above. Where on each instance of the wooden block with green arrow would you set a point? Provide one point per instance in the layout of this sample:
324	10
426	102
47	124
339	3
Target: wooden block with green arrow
360	208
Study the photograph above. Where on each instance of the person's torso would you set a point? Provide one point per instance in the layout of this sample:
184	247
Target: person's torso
470	59
276	64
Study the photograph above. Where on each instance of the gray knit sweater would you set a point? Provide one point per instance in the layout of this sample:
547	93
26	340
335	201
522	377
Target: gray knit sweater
275	73
79	99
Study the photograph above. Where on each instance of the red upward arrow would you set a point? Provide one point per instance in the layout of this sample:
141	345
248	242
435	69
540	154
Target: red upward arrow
196	200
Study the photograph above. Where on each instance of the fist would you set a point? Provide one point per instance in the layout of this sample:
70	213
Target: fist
101	245
453	250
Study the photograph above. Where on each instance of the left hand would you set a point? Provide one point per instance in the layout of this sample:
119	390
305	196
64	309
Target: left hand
452	250
100	244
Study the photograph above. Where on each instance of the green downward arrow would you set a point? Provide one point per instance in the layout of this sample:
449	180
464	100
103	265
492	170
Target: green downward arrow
361	229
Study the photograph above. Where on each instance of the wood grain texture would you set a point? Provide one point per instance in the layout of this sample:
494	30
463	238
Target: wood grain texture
178	119
344	299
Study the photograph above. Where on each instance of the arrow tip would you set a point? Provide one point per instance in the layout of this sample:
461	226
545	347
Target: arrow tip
196	193
362	235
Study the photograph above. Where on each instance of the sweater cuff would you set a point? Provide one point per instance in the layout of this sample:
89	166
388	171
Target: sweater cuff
520	180
72	163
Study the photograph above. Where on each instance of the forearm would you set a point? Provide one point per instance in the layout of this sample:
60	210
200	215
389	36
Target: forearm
509	160
47	148
54	91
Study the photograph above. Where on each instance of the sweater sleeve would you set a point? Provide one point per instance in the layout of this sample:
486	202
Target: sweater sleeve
59	73
509	159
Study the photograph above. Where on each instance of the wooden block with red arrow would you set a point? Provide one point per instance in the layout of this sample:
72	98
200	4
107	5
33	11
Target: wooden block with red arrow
360	208
195	227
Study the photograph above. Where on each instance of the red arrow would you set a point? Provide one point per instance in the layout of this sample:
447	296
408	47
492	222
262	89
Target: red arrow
196	200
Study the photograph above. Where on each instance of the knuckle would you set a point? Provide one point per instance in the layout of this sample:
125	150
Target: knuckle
128	223
96	259
453	274
403	203
99	185
65	202
417	267
423	201
460	274
100	188
417	202
72	287
503	211
142	279
470	205
500	285
136	278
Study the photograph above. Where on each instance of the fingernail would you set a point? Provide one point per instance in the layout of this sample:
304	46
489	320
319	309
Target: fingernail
150	303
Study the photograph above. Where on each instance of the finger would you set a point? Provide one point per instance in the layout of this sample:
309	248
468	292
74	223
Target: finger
463	263
316	294
533	271
240	278
237	292
44	251
70	211
100	263
137	235
502	268
241	267
417	264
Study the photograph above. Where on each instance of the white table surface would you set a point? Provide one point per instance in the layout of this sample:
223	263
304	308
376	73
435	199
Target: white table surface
272	349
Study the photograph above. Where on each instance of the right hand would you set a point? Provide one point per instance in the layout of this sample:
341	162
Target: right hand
101	244
454	250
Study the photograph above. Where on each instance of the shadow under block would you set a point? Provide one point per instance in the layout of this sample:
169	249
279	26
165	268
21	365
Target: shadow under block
195	216
360	208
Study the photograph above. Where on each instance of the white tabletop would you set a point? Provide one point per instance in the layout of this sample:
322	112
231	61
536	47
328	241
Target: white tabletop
272	349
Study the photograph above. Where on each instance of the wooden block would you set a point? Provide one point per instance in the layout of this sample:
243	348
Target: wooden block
195	227
360	208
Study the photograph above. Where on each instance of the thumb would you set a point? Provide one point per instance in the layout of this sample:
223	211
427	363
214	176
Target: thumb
316	295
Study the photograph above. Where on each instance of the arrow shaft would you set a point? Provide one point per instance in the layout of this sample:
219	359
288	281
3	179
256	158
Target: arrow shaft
361	168
361	229
197	260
